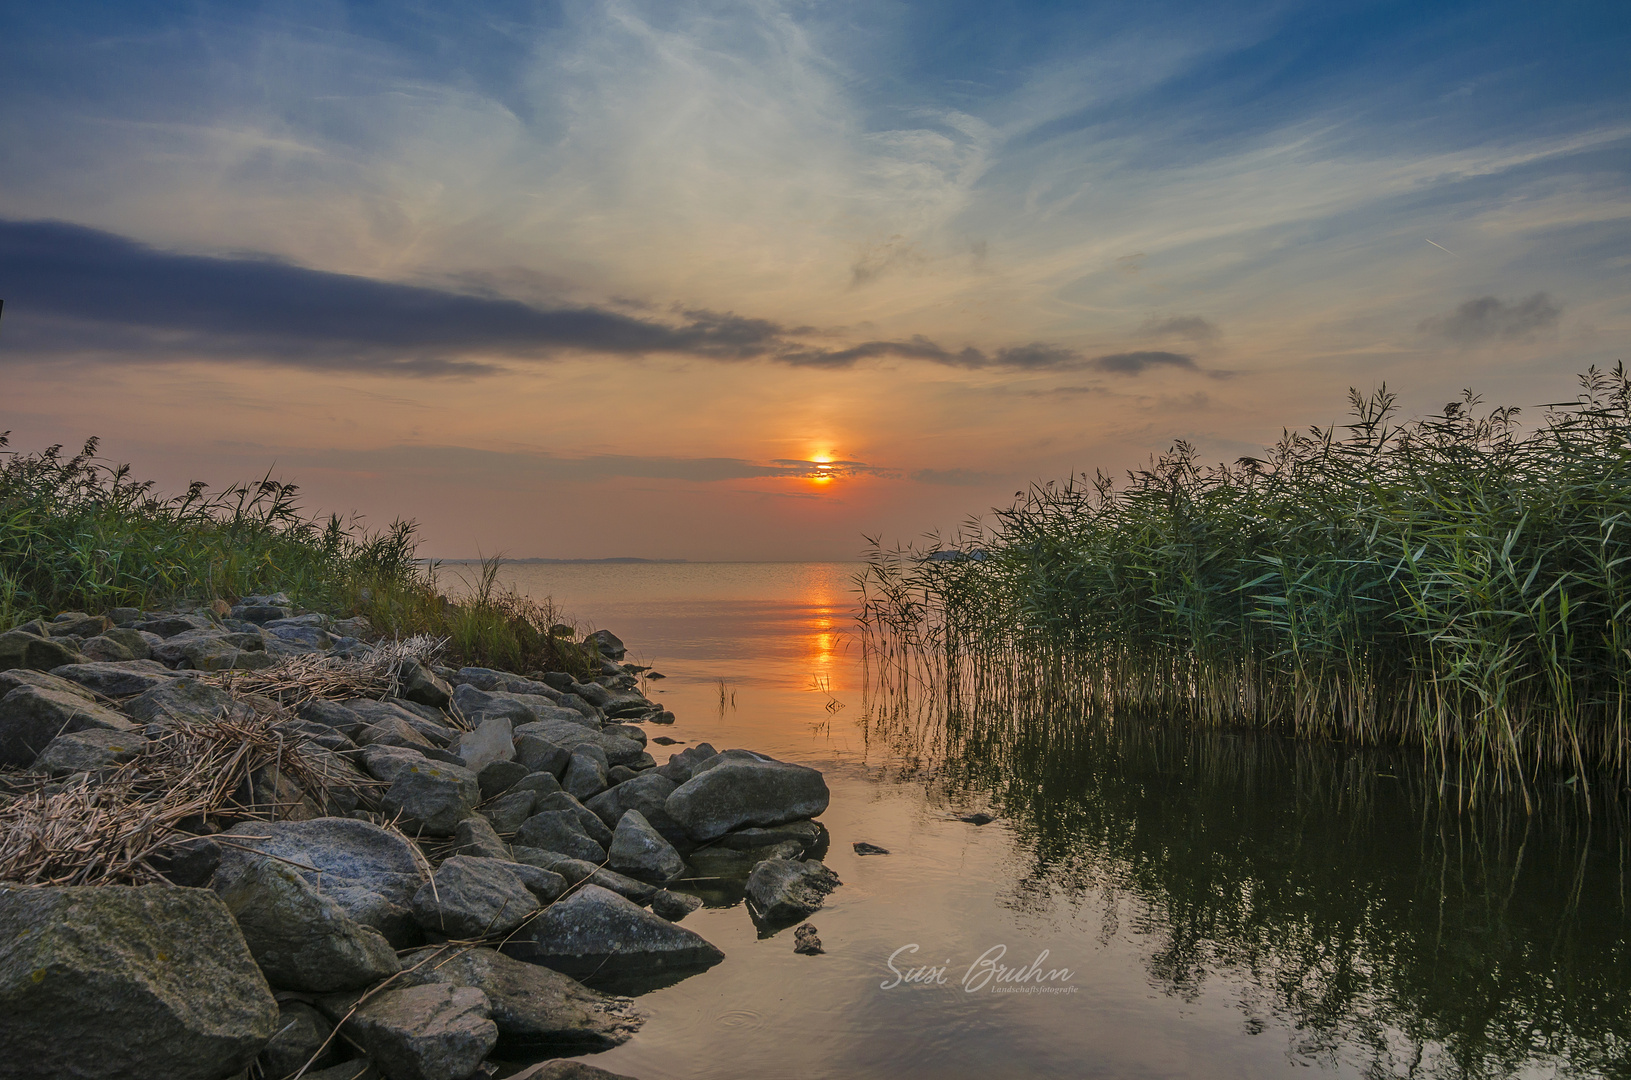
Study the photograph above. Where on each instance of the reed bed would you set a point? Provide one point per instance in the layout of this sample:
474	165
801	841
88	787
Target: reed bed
1455	582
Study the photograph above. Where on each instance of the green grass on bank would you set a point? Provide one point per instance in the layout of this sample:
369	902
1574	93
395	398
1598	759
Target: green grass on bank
1455	582
79	534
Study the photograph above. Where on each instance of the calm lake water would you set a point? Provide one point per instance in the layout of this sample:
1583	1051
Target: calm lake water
1226	905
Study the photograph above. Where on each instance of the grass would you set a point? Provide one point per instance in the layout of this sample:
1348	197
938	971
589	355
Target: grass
1453	582
77	533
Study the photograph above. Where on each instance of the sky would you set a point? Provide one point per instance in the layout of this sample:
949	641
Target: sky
759	280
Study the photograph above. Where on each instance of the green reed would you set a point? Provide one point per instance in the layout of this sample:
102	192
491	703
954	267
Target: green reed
78	533
1454	582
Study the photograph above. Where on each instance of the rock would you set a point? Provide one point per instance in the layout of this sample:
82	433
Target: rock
301	1030
372	874
119	981
139	646
566	1070
358	626
805	941
301	938
640	851
493	741
674	906
680	766
594	694
31	717
596	931
428	1032
740	788
78	624
418	683
182	702
171	624
577	871
864	848
385	724
214	650
473	897
124	616
332	714
508	812
539	783
541	755
807	834
12	678
976	819
618	750
783	890
23	650
298	639
532	1006
474	836
88	751
587	821
561	832
585	774
433	798
386	763
647	793
477	705
497	777
105	648
259	613
662	716
491	681
607	644
189	862
619	774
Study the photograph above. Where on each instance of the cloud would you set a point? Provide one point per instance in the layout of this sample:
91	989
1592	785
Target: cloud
833	469
953	477
1134	363
77	290
1192	327
1488	319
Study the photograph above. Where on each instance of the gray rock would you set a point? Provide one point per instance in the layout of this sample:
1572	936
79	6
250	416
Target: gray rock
640	851
504	682
680	766
539	783
19	649
497	777
183	702
585	775
302	639
301	1030
475	836
89	751
807	834
77	624
31	717
332	714
559	831
647	793
386	763
566	1070
619	774
594	694
473	897
607	644
371	873
429	1032
124	616
508	811
783	890
493	740
618	750
533	1007
301	938
260	613
628	731
12	678
189	862
117	982
355	1069
214	650
805	941
594	930
674	906
740	788
541	755
420	684
105	648
587	821
432	797
385	723
170	624
477	705
139	645
864	848
576	872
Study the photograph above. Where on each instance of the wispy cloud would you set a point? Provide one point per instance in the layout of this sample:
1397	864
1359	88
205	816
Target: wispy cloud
1487	318
1192	327
1134	363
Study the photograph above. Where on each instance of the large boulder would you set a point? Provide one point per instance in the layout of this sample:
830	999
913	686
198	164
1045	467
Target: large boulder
301	938
474	897
647	793
607	644
433	797
596	931
740	787
429	1032
118	678
559	831
214	650
534	1007
371	873
784	891
12	678
120	981
640	851
20	649
31	717
478	705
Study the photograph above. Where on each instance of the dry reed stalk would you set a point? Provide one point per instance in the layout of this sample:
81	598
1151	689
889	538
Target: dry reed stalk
299	679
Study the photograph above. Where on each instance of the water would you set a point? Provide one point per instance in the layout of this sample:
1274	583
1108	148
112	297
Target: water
1222	905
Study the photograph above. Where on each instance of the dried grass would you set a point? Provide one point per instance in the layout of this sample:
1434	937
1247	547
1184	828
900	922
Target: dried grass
299	679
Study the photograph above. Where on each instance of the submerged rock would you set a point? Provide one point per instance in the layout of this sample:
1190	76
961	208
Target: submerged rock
739	787
782	890
805	941
596	931
674	906
121	981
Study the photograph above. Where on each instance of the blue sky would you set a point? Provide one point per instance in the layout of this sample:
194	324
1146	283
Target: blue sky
471	262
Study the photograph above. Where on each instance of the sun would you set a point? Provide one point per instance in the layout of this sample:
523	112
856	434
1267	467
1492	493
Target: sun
823	473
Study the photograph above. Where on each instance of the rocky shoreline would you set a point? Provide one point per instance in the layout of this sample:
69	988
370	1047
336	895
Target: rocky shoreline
247	841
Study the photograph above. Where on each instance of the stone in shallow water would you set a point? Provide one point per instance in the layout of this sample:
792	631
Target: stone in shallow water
739	787
805	941
533	1006
864	848
782	890
596	931
674	906
119	981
